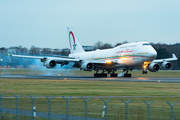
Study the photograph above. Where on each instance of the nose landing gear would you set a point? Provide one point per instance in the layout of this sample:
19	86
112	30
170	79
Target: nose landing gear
145	66
144	71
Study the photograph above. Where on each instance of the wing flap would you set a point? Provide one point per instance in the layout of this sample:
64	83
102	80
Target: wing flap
64	59
24	56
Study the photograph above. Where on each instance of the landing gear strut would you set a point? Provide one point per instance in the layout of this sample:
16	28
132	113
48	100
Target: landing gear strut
100	74
114	74
126	74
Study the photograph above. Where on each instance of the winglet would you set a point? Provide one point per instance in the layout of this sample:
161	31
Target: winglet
174	56
6	53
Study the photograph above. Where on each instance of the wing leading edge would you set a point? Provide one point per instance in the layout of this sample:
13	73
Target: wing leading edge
167	59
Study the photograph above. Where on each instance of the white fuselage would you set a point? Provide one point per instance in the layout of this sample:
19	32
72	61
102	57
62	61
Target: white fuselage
126	55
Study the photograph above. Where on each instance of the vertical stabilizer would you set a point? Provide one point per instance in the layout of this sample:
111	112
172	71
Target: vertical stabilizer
75	46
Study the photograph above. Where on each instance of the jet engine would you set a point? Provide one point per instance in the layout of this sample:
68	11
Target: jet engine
50	64
153	67
166	66
87	66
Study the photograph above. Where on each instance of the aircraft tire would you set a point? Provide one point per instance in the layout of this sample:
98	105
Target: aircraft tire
104	75
95	75
114	75
100	75
144	72
127	75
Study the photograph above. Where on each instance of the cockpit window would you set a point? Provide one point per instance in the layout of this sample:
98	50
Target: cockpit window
146	44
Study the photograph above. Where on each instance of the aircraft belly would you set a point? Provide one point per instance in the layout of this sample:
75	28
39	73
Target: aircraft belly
146	59
115	66
131	61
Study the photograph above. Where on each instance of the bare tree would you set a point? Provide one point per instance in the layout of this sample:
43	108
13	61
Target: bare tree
34	50
98	45
46	51
106	46
117	44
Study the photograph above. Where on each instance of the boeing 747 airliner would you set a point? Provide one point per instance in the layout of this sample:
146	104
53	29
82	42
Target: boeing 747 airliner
127	57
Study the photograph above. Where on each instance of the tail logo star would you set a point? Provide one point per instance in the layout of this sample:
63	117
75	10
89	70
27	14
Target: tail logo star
74	46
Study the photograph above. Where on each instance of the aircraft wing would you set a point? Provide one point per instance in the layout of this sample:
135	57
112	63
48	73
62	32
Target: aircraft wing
58	59
24	56
167	59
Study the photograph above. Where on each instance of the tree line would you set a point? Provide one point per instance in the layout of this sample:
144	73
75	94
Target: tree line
163	51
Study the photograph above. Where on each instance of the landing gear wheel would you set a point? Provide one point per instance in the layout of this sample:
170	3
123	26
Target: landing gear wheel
104	75
127	75
114	75
95	74
100	75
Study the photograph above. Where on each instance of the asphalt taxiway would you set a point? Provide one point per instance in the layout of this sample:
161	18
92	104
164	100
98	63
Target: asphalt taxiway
91	78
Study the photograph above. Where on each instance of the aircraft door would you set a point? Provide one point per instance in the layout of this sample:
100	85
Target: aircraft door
93	57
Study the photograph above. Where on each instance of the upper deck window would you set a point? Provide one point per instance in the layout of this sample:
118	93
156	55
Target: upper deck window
146	44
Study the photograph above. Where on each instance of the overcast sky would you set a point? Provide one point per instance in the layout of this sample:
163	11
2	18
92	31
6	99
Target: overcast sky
43	23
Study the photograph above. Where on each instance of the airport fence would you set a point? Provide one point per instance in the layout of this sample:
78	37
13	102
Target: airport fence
89	108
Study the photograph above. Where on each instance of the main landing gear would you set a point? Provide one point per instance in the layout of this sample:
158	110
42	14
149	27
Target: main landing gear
111	72
126	74
100	74
114	74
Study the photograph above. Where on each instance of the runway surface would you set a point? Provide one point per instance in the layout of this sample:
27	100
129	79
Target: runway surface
90	78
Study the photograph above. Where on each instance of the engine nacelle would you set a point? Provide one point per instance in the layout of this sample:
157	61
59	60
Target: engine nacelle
166	66
87	66
50	64
153	67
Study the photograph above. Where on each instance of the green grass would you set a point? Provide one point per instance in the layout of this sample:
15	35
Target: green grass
116	108
87	88
72	72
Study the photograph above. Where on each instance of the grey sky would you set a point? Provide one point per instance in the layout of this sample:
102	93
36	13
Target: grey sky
43	23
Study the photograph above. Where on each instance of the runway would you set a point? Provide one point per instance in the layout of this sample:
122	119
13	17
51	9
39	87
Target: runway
91	78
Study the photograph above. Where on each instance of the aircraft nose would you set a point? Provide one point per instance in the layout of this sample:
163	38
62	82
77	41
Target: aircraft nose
153	53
